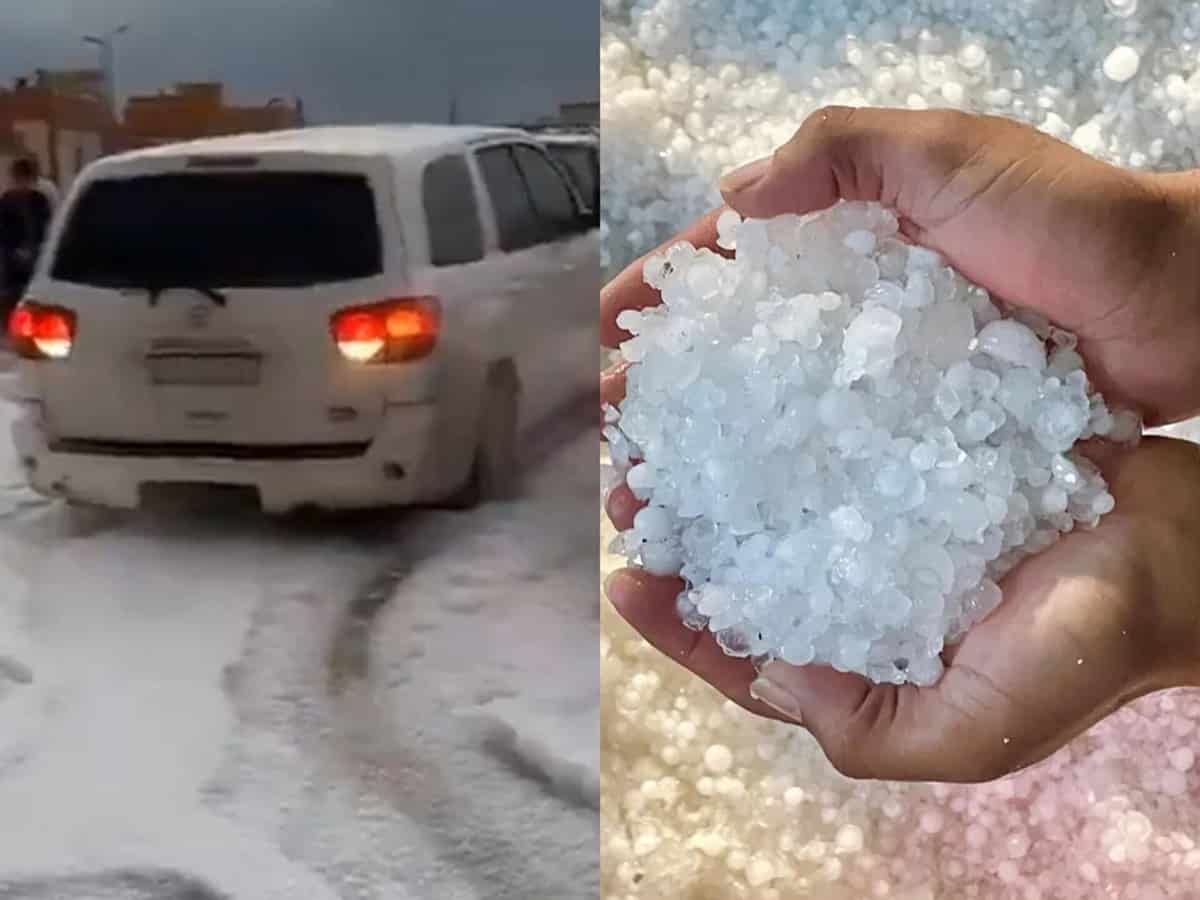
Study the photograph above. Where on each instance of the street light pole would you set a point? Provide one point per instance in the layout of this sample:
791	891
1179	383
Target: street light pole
107	45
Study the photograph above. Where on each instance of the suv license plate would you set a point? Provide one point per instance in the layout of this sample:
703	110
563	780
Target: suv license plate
223	371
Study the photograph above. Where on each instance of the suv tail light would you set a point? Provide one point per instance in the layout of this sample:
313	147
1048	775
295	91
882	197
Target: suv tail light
41	332
389	332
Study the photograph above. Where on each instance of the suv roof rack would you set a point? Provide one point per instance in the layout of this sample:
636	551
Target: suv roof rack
559	128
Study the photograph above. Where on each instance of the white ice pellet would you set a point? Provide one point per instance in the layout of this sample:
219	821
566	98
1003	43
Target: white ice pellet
653	523
1011	342
837	483
849	839
718	759
640	479
727	224
953	92
1121	64
972	55
660	557
1126	427
861	242
1182	758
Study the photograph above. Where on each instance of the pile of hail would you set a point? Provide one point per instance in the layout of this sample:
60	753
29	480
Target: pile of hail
844	445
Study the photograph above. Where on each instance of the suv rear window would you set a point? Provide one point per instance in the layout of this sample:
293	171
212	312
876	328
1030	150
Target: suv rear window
253	229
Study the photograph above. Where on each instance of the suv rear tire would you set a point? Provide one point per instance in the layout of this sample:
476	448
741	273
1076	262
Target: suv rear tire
80	519
494	471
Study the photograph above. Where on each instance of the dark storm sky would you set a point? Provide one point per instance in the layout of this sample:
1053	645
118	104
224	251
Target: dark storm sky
351	60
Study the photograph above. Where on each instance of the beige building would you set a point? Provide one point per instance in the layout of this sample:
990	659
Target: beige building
59	120
62	119
200	109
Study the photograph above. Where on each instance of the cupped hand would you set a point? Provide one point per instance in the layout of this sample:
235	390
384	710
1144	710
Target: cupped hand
1107	253
1103	616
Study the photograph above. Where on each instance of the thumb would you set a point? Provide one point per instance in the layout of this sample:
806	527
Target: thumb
895	157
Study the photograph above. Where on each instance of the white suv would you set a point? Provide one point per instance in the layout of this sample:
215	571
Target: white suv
337	318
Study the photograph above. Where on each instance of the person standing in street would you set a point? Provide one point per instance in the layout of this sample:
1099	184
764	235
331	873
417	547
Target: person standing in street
25	213
50	189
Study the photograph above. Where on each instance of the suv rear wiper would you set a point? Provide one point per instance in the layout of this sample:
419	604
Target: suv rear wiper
211	293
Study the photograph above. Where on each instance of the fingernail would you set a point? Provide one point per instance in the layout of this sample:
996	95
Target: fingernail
764	690
741	178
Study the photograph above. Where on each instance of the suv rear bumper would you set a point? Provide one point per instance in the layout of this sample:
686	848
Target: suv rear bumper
394	469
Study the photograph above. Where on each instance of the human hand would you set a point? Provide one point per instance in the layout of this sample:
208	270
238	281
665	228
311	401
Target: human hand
1103	252
1107	253
1100	618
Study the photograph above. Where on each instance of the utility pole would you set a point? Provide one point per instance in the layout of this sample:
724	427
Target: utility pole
107	45
450	51
452	82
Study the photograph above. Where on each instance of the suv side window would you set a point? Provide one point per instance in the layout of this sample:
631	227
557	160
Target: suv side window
455	235
517	222
581	163
551	194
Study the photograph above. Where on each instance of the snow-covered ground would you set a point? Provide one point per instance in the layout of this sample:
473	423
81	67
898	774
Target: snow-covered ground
212	704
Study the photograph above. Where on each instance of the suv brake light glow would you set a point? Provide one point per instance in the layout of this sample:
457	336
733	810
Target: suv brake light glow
37	331
388	332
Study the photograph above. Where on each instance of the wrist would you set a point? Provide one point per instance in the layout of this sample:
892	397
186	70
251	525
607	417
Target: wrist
1179	191
1179	194
1168	541
1174	643
1166	291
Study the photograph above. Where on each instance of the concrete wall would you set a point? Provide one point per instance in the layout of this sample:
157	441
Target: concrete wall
72	149
75	150
36	136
